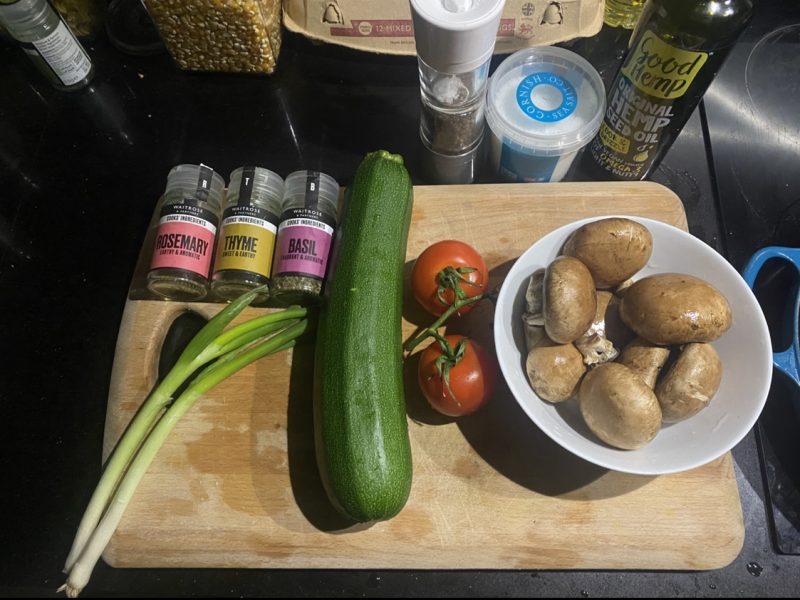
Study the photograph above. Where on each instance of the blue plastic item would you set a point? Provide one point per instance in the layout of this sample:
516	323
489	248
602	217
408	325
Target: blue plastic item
787	361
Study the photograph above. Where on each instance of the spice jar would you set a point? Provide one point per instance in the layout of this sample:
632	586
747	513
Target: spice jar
187	227
247	235
308	219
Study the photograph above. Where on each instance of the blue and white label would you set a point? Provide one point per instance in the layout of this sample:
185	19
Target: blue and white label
520	167
546	97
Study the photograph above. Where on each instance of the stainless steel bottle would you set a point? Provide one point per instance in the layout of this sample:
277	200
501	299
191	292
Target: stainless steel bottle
48	42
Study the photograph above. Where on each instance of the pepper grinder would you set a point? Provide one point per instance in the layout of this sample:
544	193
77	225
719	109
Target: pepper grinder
455	40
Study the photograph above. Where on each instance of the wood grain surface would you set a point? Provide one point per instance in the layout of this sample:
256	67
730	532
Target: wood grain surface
236	485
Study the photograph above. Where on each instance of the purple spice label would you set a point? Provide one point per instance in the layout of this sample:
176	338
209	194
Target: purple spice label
302	248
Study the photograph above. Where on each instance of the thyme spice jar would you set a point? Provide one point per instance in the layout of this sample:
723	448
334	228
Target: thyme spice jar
187	227
247	235
305	235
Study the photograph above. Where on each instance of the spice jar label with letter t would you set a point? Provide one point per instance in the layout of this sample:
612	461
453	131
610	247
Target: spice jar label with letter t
185	238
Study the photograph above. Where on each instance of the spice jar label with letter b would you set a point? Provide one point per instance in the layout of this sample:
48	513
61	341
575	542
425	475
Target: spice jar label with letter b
304	236
308	218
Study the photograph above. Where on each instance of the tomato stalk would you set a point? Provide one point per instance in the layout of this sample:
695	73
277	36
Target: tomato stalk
432	330
451	278
450	358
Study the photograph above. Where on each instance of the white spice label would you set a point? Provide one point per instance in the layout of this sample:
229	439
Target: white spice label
64	54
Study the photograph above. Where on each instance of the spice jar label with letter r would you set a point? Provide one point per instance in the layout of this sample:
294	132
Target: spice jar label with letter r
304	236
185	238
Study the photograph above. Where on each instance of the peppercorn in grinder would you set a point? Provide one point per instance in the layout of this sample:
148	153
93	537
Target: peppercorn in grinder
455	40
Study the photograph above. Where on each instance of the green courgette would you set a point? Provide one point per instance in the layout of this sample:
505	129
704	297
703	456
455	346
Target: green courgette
362	444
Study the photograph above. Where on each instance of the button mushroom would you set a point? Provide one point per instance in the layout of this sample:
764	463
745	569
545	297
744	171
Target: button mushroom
675	309
594	344
569	299
690	383
555	370
613	249
533	317
618	406
644	359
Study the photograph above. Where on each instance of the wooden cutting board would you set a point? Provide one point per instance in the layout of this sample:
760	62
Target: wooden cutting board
237	485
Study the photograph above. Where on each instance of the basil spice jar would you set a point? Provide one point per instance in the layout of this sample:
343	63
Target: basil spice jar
187	227
305	235
247	235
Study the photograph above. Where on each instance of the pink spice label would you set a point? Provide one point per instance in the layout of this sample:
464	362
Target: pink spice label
303	249
184	245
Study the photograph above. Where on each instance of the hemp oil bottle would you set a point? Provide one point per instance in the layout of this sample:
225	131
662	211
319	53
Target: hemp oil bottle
247	235
674	54
187	228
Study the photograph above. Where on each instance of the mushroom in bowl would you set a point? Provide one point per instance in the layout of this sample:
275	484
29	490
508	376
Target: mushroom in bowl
687	438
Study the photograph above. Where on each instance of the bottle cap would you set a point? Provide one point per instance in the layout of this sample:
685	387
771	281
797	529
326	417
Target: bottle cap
21	12
455	36
193	179
297	186
267	186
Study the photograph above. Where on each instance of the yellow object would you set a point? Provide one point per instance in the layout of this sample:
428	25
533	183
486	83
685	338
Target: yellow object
245	247
648	67
236	36
84	17
623	13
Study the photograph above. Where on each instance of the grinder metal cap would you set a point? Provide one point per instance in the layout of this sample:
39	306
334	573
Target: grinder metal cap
455	36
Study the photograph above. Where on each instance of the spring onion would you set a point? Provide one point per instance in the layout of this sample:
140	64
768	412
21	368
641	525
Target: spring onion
222	353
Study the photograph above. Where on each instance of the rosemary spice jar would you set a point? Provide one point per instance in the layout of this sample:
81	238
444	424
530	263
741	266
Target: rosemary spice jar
247	235
305	235
187	227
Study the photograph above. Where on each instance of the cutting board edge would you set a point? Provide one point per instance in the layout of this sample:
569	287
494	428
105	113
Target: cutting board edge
726	555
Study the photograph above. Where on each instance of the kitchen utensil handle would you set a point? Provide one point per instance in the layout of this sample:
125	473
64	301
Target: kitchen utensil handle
787	361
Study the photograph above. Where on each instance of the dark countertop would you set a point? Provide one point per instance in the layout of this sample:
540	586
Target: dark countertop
80	174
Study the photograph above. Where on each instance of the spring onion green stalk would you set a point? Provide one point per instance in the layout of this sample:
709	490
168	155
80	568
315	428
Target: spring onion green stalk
230	350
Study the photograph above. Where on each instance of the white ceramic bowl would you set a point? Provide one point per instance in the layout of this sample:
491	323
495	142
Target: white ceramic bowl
745	351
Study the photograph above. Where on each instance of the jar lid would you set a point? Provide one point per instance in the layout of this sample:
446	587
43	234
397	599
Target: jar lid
545	101
191	177
321	188
265	183
455	36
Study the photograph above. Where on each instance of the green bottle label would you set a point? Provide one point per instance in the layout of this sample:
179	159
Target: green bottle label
641	105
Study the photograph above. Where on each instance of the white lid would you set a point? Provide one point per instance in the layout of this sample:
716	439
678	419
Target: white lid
545	101
455	36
